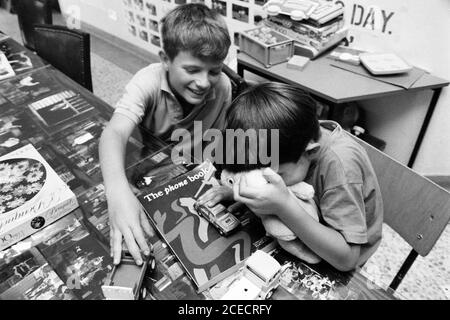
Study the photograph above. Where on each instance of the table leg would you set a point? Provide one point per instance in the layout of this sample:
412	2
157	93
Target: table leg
426	122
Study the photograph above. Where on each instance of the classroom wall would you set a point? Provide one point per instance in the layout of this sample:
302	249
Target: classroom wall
417	30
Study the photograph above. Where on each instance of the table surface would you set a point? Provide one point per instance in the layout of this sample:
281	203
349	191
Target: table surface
334	84
78	244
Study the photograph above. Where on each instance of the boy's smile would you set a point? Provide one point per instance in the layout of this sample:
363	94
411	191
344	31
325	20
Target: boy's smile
190	77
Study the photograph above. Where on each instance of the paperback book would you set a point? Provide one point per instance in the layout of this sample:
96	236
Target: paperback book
17	129
206	256
21	60
78	146
29	87
5	68
32	195
79	259
59	108
28	276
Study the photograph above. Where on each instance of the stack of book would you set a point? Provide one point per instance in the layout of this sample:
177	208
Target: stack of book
320	29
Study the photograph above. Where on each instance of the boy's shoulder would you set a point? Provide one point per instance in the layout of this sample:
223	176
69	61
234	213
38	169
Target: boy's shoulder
341	154
153	70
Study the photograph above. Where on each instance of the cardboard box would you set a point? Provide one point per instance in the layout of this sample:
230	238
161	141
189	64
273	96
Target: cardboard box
32	195
297	62
266	45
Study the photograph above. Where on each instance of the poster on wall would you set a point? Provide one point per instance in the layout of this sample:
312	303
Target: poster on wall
401	27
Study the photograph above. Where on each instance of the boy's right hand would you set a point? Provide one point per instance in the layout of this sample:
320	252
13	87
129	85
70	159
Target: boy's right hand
129	222
215	195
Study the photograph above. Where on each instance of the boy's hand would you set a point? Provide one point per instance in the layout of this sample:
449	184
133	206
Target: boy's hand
264	199
127	221
215	195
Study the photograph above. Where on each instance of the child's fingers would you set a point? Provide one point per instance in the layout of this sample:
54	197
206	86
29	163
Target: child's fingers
207	196
247	192
214	200
117	246
237	195
271	176
146	225
140	239
132	246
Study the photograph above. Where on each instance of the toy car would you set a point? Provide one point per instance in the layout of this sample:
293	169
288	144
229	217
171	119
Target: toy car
224	221
259	279
125	280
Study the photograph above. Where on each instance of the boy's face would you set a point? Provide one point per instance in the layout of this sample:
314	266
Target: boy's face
294	172
191	77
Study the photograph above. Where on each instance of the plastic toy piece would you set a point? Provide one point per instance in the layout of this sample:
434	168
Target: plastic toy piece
224	221
125	280
260	278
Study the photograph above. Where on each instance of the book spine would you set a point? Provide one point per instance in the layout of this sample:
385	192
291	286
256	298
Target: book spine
12	232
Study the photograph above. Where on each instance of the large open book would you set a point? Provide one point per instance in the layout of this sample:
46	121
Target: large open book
206	256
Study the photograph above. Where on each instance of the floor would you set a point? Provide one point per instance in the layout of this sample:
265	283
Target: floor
428	278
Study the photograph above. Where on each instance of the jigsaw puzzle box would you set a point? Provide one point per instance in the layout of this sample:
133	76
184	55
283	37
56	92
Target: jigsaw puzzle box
32	195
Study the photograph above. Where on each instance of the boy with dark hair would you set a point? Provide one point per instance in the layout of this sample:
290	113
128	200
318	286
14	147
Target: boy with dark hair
346	188
187	85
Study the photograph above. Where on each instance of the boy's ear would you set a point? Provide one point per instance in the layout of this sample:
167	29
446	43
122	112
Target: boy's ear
312	148
164	59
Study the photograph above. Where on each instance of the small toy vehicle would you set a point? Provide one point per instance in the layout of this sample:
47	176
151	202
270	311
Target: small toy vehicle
260	277
125	280
224	221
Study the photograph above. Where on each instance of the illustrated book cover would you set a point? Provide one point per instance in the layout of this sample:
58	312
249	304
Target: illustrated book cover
28	276
79	258
206	256
31	195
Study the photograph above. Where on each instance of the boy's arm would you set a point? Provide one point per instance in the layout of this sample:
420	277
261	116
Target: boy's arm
323	240
276	199
123	207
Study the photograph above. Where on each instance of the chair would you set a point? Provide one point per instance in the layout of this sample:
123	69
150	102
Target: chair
414	206
238	84
29	13
67	50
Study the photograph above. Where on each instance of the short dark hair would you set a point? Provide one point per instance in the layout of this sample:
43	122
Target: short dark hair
195	28
273	105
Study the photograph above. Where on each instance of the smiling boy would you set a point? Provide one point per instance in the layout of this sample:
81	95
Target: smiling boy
186	85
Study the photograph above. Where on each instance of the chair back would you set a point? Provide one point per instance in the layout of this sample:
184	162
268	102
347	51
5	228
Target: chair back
29	13
238	84
414	206
66	49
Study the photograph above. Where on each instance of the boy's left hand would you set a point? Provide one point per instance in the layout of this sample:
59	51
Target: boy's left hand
263	199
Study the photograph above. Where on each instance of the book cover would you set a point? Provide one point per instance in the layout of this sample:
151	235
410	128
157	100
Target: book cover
16	265
95	210
79	259
17	129
169	280
78	146
21	59
29	87
5	68
27	276
59	108
206	256
31	195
